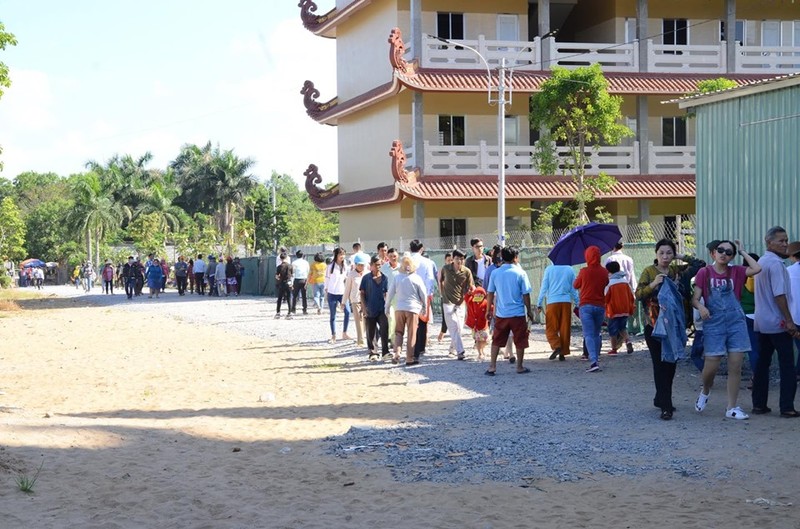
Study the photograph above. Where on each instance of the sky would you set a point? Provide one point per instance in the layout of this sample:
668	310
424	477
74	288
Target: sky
91	79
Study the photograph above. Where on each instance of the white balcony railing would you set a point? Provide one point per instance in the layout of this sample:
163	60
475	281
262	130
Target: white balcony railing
661	58
438	54
674	160
483	159
616	58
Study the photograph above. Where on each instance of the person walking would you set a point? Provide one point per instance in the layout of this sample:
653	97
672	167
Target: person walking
230	277
620	304
391	269
426	270
665	355
448	258
775	326
220	278
510	293
108	277
456	282
139	271
181	275
190	275
352	284
154	276
283	284
373	291
724	328
300	271
165	277
591	283
129	277
409	289
558	295
794	281
335	276
88	276
38	278
625	265
239	274
477	262
199	275
316	278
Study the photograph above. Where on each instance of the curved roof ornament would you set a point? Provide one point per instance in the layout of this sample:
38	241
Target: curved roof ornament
399	171
307	14
315	108
312	179
397	49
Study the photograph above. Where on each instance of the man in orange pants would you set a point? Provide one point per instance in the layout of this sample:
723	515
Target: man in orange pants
557	289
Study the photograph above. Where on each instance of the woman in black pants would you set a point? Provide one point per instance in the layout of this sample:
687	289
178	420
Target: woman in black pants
663	268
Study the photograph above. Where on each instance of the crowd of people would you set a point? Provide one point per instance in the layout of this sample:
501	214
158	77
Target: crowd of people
731	310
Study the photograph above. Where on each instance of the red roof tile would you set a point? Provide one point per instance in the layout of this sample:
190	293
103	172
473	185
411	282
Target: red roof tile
547	187
354	199
441	80
325	25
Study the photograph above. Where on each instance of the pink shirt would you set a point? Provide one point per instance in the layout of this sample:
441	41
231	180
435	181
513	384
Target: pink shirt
736	276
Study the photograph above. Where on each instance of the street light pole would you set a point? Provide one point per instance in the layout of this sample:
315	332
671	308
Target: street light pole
501	101
501	135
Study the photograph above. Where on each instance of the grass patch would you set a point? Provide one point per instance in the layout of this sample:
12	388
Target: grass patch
12	294
330	366
8	305
26	483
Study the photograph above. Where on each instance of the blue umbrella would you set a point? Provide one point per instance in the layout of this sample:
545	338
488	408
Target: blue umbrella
570	247
32	263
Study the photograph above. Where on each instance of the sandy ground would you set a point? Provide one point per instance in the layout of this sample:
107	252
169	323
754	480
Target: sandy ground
141	419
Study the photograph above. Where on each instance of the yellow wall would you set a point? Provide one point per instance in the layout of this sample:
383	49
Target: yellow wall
362	49
364	141
368	224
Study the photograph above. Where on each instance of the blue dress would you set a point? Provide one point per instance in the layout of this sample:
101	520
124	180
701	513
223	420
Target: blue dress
154	276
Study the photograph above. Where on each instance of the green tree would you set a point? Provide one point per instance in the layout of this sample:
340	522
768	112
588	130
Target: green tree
95	213
575	106
213	182
12	231
714	85
146	232
49	234
158	199
6	39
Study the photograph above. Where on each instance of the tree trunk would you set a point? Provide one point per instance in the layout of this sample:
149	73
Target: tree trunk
89	244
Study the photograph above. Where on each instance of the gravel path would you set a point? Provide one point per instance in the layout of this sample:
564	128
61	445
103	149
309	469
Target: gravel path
556	422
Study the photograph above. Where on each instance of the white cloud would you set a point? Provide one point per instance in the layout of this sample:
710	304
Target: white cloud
27	104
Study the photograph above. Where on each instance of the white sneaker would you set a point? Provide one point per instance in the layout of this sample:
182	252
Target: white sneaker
702	400
736	413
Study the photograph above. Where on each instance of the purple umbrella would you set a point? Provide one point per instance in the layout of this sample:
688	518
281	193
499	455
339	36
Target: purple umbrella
570	247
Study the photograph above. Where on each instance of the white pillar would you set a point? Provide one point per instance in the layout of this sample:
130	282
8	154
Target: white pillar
544	28
730	34
641	33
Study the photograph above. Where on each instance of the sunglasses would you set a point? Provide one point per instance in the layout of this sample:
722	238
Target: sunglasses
726	251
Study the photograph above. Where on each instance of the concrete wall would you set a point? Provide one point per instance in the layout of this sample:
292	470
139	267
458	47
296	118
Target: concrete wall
364	141
362	50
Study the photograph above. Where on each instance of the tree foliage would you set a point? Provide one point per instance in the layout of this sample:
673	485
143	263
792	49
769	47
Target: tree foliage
575	106
6	39
714	85
12	231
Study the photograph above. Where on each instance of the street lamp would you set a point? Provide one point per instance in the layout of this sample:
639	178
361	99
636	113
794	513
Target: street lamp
501	132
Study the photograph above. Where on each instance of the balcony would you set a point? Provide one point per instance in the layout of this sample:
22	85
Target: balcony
661	58
483	159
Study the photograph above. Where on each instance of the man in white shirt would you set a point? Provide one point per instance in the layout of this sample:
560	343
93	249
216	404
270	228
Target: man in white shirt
199	274
625	264
300	270
426	269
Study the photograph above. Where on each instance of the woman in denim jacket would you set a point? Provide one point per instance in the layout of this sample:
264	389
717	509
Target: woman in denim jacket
647	291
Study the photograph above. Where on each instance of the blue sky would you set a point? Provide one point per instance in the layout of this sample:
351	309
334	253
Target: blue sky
96	78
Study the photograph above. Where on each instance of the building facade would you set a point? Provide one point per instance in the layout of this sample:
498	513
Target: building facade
748	163
418	122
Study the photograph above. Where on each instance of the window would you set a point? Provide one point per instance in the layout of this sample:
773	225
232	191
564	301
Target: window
676	33
453	232
451	130
673	132
512	131
450	25
738	37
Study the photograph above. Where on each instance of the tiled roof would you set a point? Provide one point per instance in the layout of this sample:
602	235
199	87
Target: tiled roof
329	113
517	188
547	187
366	197
442	80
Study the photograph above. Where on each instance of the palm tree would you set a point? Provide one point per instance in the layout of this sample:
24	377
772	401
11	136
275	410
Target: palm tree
158	199
95	212
124	177
213	181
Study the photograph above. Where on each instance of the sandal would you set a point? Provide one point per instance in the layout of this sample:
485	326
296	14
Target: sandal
488	373
791	414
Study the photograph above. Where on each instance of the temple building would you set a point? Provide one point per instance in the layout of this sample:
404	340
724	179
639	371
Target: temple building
417	118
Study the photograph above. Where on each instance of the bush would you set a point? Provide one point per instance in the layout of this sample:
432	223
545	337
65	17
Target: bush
5	281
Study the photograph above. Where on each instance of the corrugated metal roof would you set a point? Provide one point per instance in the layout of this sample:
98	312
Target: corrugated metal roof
753	87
